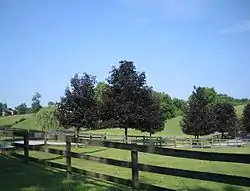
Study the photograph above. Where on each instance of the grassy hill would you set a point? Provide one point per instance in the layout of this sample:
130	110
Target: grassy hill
172	127
11	120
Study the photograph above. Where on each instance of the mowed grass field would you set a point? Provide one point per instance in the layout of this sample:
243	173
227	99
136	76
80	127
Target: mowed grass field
56	182
18	176
172	126
164	161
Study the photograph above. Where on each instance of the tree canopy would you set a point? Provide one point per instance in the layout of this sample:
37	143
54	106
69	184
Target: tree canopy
226	119
129	102
198	118
36	102
22	108
46	118
246	118
78	107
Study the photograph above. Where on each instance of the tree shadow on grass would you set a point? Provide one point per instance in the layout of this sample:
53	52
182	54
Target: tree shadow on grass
18	176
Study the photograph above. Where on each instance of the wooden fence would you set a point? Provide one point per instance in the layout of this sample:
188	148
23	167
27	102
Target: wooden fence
134	164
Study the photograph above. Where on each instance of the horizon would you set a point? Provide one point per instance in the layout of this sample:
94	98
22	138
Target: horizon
201	43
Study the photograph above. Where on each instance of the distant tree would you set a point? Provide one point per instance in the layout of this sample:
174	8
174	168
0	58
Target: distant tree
1	108
129	101
199	118
22	108
36	103
226	119
99	90
166	104
246	118
5	106
180	106
78	107
51	103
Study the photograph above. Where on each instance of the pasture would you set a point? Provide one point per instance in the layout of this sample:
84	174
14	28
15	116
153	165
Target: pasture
167	181
172	126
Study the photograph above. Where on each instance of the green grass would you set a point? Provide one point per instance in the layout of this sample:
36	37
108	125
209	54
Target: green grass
17	176
9	120
30	123
165	161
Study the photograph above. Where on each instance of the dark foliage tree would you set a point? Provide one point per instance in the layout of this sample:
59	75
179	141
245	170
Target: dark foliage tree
154	115
78	107
246	118
199	118
1	108
36	103
226	119
129	102
22	108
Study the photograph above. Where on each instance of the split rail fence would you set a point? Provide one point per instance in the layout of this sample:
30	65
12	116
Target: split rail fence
134	164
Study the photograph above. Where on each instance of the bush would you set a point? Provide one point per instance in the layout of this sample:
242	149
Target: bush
20	120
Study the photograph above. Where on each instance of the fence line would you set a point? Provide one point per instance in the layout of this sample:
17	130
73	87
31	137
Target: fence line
134	165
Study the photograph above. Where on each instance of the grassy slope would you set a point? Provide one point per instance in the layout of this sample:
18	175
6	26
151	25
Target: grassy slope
162	180
30	123
9	120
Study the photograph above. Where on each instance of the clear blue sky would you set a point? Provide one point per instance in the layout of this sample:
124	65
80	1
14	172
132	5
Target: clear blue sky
178	43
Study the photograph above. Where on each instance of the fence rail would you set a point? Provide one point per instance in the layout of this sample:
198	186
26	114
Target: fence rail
134	165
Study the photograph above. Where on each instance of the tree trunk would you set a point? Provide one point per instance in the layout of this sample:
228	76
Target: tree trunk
222	135
150	134
126	135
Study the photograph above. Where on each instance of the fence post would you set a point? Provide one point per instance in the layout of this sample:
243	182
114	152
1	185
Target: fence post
135	172
45	138
174	142
68	157
26	146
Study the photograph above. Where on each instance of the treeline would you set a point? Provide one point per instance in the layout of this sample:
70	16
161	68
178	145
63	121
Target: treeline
208	112
22	108
126	101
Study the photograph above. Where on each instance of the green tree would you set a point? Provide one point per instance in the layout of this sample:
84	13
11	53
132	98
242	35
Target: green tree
129	101
226	119
99	90
246	118
78	107
199	118
50	103
179	105
36	102
46	118
166	104
22	108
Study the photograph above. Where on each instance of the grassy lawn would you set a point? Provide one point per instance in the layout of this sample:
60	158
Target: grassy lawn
17	176
29	123
162	180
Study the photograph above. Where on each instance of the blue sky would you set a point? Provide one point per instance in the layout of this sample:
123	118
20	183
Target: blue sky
178	43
